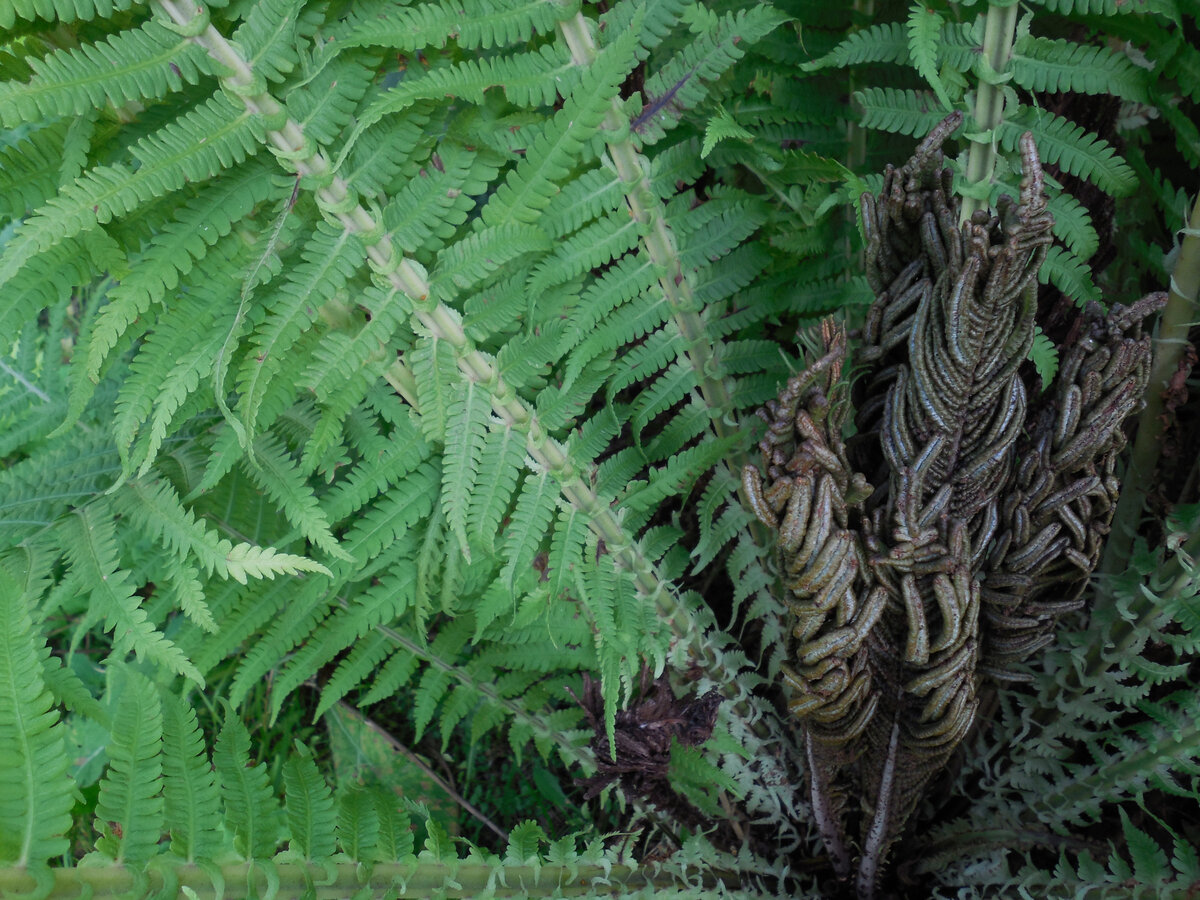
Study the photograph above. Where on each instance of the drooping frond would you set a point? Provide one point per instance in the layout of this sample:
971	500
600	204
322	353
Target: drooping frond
158	511
89	541
174	251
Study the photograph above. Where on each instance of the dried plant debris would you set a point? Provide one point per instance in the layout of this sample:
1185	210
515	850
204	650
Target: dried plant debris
940	544
643	737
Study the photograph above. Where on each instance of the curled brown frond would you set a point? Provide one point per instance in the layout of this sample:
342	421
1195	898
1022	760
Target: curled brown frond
987	511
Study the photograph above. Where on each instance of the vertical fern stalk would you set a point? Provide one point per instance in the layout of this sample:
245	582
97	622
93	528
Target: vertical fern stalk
1180	315
999	32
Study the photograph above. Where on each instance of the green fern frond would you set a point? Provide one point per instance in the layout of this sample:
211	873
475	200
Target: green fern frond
34	492
170	365
251	810
1048	66
627	324
61	10
1073	225
476	24
330	257
385	461
326	104
212	136
1044	355
1184	67
588	249
530	521
1099	7
391	147
392	675
277	475
655	21
901	111
357	826
427	211
433	366
390	595
1065	144
530	186
677	476
35	791
536	78
89	540
722	127
524	359
1070	275
129	813
408	502
500	464
683	81
585	197
625	280
466	435
35	288
159	512
339	359
883	42
173	252
270	37
924	28
68	688
30	169
470	261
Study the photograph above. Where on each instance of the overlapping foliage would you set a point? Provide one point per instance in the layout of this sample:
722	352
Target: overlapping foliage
372	351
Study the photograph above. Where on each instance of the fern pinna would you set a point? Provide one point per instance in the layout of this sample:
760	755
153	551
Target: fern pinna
365	352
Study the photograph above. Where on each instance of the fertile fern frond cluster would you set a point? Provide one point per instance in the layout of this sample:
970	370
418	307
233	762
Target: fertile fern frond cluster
943	542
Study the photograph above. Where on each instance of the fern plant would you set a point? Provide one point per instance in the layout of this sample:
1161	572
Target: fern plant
405	355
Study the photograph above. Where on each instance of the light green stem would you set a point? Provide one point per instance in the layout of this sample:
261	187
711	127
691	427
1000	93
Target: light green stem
999	32
1181	314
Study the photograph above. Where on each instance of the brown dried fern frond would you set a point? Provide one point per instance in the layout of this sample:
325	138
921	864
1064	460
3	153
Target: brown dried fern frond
985	518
